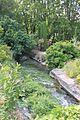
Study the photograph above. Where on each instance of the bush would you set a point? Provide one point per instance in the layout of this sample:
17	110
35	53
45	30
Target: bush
12	88
23	42
72	69
63	113
39	99
1	31
33	87
10	79
61	52
5	53
41	104
14	35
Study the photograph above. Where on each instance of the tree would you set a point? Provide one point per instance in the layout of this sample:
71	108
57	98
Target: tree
7	7
14	35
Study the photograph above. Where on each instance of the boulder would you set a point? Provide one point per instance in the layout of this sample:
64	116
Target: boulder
39	55
69	84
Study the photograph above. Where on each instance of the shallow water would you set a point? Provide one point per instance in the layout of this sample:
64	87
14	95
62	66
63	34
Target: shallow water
39	74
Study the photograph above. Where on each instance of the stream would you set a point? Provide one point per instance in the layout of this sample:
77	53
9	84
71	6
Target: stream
39	74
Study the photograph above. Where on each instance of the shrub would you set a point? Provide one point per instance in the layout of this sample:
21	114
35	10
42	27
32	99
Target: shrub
5	53
41	104
11	81
15	35
61	52
1	31
39	99
72	69
33	87
63	113
23	42
12	88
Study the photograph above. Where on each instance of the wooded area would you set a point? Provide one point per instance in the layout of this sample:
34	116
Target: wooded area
58	19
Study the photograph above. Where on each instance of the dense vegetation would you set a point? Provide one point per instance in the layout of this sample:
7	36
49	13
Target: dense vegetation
14	35
14	86
5	53
72	69
60	52
58	20
61	113
29	24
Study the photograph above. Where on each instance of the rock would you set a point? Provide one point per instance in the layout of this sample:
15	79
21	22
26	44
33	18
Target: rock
34	51
67	83
24	58
23	114
39	55
2	101
19	115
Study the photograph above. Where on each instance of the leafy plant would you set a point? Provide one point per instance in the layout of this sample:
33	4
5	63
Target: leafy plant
60	52
72	69
15	35
10	81
38	98
41	104
33	87
63	113
23	42
5	53
1	31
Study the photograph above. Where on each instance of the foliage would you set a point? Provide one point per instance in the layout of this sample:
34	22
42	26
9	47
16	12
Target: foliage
58	19
12	88
1	31
61	18
11	81
43	33
23	42
38	98
7	7
63	113
41	104
33	87
61	52
61	28
14	35
5	53
7	23
14	85
4	115
72	68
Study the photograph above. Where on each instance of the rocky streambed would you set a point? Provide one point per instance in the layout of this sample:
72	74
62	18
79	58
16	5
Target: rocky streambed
41	75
